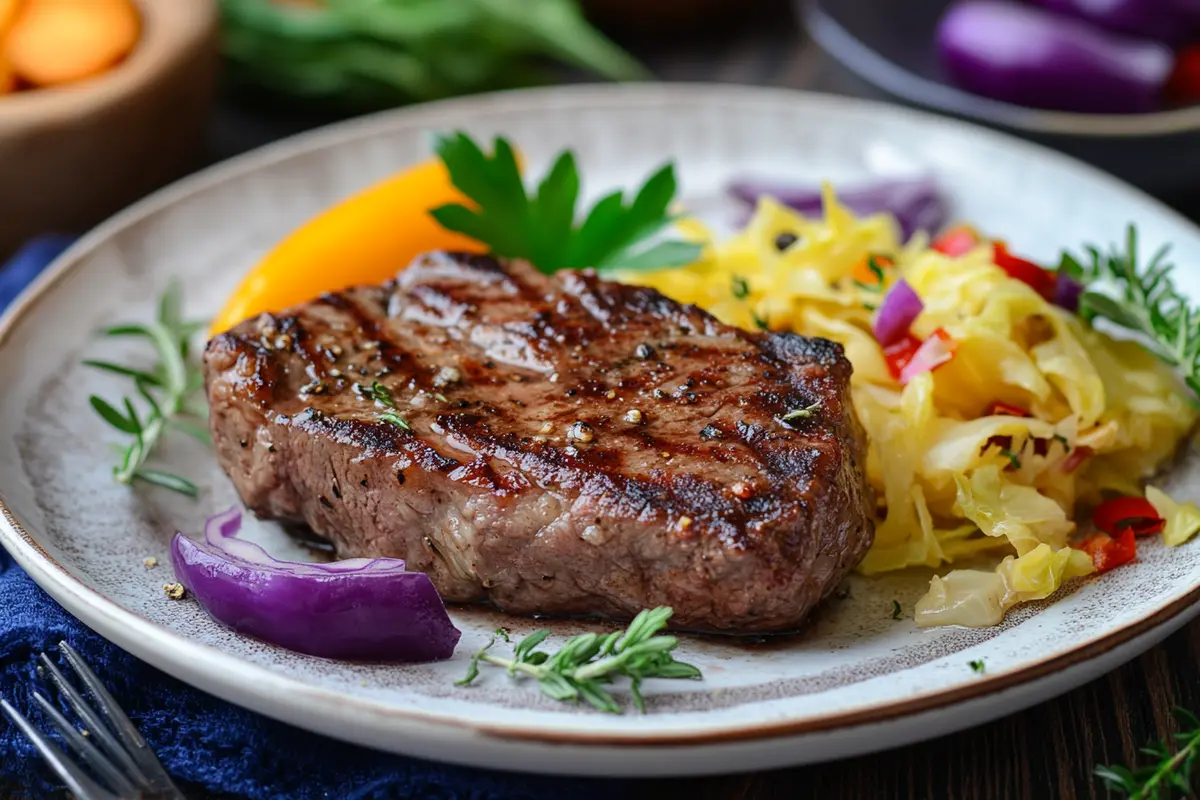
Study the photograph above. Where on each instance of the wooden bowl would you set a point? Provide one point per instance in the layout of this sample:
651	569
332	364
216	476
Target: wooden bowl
72	155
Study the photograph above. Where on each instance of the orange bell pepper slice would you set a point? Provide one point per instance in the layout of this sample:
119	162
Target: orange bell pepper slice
367	238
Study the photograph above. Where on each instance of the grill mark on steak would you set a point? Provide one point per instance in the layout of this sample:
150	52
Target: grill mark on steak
708	502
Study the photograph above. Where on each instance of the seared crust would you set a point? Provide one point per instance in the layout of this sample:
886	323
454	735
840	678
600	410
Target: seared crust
525	479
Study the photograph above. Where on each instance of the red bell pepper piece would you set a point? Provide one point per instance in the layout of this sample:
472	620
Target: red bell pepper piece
1108	552
957	241
899	354
1135	513
1005	410
1042	281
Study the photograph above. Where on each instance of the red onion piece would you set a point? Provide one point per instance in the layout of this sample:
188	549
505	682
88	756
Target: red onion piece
916	204
1066	292
360	609
1170	21
896	315
936	350
1031	57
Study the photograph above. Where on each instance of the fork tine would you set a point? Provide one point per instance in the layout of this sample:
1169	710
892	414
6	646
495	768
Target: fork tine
147	762
100	733
83	787
88	752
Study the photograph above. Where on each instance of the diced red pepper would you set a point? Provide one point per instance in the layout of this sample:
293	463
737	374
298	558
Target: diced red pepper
1135	513
1075	458
957	241
1184	84
1042	281
1108	552
1005	410
899	354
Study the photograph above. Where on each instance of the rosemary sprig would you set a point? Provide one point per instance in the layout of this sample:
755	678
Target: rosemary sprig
1142	300
165	389
1170	772
581	667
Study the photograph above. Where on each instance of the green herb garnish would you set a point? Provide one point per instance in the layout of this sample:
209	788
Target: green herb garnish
977	666
1168	774
1142	300
164	388
760	322
895	609
1058	437
741	287
360	54
1013	459
585	663
541	227
382	395
801	413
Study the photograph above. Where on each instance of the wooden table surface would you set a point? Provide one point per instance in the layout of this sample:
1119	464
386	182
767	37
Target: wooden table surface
1045	752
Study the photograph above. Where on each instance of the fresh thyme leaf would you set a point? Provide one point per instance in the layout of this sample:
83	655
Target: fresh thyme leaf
1058	437
801	413
1143	300
977	666
377	392
1013	459
542	227
164	389
760	322
128	372
1169	774
168	480
895	609
741	287
579	669
393	418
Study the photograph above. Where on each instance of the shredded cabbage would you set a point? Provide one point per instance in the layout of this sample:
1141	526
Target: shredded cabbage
954	479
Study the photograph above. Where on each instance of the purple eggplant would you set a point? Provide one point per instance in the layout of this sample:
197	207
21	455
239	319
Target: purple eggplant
1171	21
1032	57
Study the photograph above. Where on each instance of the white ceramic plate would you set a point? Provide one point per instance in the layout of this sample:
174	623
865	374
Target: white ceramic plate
855	681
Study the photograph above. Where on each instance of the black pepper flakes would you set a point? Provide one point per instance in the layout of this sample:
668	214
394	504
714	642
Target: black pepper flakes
400	478
710	432
324	501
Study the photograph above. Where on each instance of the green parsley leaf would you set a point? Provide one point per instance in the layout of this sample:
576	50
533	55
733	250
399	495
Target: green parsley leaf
542	227
977	666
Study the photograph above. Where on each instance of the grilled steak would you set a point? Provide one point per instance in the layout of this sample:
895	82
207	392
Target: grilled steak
558	444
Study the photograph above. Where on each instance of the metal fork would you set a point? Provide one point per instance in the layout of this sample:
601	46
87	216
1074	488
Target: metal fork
123	764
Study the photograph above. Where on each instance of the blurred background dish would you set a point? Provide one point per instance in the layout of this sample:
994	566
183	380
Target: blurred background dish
97	134
892	46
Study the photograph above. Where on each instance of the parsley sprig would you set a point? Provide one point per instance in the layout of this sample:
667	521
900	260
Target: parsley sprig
580	669
1143	300
541	226
1170	771
165	389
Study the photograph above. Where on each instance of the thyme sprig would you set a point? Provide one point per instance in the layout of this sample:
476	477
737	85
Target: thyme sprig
382	396
585	663
1169	773
165	389
1143	300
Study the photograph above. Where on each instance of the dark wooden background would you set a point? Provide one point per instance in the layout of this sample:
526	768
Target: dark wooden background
1046	752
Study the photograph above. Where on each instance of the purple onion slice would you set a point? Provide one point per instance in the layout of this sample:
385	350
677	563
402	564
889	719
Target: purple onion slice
358	609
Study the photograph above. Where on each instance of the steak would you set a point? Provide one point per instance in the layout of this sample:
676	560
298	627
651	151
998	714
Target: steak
554	444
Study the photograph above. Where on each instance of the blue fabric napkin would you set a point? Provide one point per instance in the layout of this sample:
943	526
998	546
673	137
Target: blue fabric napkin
212	746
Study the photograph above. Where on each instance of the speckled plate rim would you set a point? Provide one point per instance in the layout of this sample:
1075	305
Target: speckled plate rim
227	676
854	55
